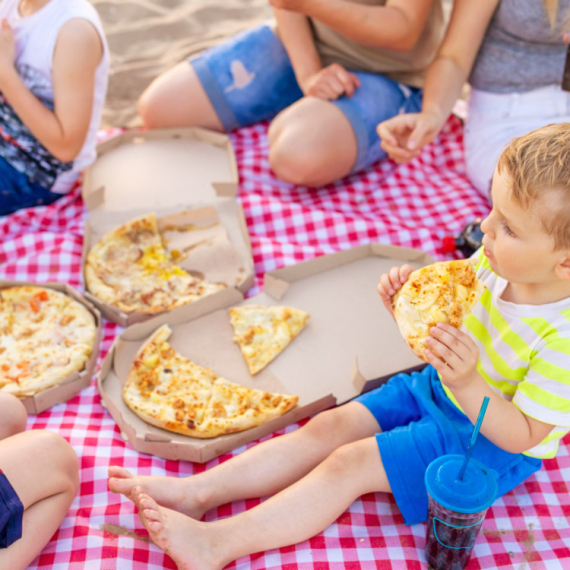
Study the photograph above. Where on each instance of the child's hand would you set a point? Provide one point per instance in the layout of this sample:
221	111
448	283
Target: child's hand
7	47
391	282
330	83
453	354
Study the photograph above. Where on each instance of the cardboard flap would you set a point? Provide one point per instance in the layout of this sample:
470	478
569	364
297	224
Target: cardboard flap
274	286
153	168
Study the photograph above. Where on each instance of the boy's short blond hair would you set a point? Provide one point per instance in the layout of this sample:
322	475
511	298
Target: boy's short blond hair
538	164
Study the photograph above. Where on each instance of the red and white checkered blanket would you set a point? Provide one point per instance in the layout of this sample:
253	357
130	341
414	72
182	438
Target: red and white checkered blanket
413	205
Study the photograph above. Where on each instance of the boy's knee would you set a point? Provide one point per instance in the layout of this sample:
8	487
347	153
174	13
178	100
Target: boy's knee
13	415
149	106
344	458
62	456
295	164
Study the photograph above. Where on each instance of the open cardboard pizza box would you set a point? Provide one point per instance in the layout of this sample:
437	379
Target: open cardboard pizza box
188	178
350	345
74	383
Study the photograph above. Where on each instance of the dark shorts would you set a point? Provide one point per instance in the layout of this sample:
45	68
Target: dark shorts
17	192
250	79
11	513
420	423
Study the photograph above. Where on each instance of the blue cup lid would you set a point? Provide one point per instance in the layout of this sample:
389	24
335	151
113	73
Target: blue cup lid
474	493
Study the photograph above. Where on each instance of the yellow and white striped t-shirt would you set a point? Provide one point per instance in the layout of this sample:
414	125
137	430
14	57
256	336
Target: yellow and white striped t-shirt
524	355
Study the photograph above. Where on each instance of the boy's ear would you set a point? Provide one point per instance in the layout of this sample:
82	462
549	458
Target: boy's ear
562	268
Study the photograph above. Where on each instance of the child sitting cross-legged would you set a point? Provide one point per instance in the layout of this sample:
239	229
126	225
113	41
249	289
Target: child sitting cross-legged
514	348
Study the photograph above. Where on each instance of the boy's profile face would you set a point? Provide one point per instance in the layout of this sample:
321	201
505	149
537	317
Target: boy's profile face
515	241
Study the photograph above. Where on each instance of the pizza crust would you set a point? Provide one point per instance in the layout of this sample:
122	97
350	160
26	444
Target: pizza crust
130	269
263	333
169	391
444	292
45	336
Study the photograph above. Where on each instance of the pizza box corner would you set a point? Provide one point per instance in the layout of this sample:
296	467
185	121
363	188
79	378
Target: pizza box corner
350	345
74	383
188	178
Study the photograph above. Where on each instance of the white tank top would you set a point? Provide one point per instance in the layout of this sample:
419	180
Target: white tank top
36	36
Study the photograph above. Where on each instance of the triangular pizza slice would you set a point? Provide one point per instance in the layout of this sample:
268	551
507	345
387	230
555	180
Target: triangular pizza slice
262	333
170	391
444	292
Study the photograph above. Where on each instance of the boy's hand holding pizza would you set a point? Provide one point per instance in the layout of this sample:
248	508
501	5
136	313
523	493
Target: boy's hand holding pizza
390	283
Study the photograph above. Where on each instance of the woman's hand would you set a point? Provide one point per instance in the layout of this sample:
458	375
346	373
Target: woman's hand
403	136
453	354
330	83
390	283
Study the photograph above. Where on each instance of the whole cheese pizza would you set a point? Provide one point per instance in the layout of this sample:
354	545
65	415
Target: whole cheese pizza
131	269
444	292
170	391
45	336
262	333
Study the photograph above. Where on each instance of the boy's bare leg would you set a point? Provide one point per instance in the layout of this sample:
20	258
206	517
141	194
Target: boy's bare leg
311	143
13	415
262	470
177	99
298	512
42	467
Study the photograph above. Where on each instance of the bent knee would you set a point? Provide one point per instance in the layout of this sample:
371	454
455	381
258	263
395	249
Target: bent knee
300	165
149	107
13	414
62	456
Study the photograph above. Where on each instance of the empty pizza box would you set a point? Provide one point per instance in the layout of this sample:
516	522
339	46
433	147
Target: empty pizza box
75	382
188	178
350	345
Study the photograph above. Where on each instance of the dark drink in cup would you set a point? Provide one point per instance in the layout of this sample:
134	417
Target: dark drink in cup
566	74
457	508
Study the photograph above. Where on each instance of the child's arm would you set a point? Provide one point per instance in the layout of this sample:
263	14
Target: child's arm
504	424
314	80
397	25
404	136
77	54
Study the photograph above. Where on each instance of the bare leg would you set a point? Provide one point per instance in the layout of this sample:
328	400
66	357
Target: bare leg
13	415
311	143
42	468
177	99
260	471
297	513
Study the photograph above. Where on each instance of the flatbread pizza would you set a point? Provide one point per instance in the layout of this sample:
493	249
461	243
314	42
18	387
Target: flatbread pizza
170	391
444	292
45	336
263	333
131	269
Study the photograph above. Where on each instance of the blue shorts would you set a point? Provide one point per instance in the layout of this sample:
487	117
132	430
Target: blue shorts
17	192
11	513
250	79
420	423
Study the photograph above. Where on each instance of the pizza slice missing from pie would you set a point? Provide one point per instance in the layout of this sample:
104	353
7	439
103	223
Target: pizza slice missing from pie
170	391
444	292
262	333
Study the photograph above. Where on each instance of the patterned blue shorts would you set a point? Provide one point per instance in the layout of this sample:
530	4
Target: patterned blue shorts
250	79
11	513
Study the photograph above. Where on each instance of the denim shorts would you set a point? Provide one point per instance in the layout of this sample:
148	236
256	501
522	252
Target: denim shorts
419	424
17	192
250	79
11	513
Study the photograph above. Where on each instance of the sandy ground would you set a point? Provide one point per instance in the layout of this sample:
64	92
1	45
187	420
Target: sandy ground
147	37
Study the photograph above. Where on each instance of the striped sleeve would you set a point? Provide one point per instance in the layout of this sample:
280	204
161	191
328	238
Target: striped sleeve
544	394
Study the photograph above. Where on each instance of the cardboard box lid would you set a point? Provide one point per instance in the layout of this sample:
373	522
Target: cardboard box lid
149	170
350	345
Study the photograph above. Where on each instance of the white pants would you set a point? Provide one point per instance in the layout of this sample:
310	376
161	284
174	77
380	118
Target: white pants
493	119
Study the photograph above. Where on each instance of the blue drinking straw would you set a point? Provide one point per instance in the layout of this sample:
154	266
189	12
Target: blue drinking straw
474	436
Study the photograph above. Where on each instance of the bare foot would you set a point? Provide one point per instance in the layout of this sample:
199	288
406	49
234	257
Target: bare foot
181	537
171	492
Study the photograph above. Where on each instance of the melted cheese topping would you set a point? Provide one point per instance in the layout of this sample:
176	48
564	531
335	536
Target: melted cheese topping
167	390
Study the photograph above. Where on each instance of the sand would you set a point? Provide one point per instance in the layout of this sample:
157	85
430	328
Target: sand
147	37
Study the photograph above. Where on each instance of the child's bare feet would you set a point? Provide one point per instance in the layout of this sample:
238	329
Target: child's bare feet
181	537
171	492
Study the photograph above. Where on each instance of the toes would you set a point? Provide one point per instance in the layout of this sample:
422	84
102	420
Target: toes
119	485
120	472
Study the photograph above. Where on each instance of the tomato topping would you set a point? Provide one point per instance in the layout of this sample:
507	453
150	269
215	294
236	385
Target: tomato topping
41	296
34	306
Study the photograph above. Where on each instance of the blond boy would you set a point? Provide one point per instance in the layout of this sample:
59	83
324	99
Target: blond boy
514	348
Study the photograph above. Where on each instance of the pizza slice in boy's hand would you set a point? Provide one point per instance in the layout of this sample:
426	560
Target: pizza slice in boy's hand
170	391
444	292
262	333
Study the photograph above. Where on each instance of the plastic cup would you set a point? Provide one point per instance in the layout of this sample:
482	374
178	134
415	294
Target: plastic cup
457	508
